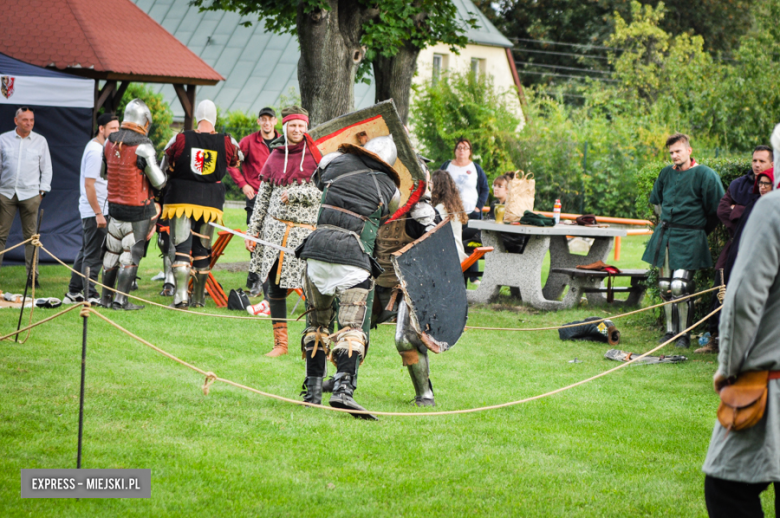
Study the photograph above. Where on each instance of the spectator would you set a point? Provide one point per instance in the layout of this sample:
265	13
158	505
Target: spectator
741	464
256	148
25	178
500	185
741	193
93	209
686	196
473	188
446	201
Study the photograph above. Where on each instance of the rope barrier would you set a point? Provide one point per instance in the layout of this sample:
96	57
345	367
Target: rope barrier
215	315
41	322
18	245
211	378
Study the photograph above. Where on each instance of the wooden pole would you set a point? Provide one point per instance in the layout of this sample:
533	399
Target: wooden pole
29	279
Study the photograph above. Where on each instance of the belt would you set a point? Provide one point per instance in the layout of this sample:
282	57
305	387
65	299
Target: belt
289	224
774	375
664	225
345	211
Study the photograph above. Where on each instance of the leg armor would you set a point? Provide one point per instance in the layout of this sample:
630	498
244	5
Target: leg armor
179	252
201	259
315	340
682	285
665	289
133	245
113	250
169	283
415	357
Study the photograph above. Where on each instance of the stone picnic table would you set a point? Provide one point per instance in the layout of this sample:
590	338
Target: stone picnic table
524	271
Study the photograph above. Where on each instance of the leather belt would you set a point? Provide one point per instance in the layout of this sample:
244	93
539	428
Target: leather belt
345	211
664	225
289	224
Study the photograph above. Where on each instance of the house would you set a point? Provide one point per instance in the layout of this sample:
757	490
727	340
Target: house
261	68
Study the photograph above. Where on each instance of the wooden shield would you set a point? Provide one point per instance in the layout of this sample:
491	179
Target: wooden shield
432	281
358	127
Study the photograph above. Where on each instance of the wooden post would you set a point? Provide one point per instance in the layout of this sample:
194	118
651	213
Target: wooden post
187	100
29	278
83	371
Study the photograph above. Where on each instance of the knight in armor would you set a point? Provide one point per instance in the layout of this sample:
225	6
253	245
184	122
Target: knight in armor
360	188
196	161
285	212
133	176
685	196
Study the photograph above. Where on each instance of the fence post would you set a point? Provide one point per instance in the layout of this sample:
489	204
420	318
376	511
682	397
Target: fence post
582	177
83	370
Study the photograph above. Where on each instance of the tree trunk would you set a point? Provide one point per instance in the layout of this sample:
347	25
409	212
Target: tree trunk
330	54
393	78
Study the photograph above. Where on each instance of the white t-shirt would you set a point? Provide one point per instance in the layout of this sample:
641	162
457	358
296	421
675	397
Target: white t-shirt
466	180
91	161
457	230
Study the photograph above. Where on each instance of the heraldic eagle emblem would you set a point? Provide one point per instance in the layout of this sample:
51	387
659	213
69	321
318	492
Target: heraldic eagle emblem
7	86
203	161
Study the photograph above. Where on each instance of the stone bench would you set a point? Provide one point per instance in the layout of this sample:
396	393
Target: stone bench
591	284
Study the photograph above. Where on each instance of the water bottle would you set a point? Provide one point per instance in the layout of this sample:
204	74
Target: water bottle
704	339
557	211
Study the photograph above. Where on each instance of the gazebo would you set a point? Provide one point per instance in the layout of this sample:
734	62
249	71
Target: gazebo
106	40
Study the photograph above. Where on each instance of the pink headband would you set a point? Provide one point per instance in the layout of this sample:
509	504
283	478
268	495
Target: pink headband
295	117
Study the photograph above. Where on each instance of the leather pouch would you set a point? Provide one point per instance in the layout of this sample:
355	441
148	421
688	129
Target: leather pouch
742	404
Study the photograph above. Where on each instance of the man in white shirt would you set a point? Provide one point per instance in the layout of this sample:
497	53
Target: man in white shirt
94	209
25	178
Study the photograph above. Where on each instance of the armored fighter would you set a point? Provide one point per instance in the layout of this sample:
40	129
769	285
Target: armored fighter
685	196
196	161
133	175
360	187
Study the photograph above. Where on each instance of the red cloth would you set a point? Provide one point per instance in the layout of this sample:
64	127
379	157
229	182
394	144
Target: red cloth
256	153
177	148
273	170
769	173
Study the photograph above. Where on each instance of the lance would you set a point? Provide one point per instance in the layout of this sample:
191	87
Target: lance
252	238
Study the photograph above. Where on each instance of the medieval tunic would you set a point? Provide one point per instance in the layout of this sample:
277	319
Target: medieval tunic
689	205
751	322
272	220
130	195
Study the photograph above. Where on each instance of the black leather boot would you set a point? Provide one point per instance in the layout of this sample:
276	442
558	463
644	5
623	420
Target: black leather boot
343	389
312	390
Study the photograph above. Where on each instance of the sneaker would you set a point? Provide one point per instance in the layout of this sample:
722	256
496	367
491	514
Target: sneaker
261	309
710	348
94	301
73	298
476	282
159	277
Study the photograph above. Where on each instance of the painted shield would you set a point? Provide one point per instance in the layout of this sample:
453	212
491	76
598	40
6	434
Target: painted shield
203	161
357	128
7	86
431	278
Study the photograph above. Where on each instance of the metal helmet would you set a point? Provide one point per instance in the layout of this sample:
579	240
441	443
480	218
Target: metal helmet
384	148
136	112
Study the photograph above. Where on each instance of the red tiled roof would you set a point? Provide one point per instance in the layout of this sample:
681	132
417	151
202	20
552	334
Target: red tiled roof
107	36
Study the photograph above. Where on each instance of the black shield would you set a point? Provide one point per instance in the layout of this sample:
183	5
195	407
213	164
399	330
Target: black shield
432	281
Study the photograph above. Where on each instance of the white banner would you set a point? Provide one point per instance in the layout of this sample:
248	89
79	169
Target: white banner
47	91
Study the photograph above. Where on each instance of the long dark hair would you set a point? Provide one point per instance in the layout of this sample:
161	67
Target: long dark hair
446	192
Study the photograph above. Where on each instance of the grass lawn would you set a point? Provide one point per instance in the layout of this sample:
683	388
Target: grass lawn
630	444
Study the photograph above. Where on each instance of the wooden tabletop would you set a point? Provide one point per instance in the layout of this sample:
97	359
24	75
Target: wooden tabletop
557	230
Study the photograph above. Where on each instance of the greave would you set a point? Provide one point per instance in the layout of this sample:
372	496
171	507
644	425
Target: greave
181	273
109	279
669	311
423	390
125	281
168	271
685	312
199	289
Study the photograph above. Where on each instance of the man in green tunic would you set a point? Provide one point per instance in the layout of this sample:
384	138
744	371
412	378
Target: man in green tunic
685	197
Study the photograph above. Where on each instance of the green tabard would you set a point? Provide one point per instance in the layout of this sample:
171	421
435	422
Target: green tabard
689	201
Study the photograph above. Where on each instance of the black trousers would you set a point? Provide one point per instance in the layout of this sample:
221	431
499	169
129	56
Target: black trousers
714	322
729	499
90	255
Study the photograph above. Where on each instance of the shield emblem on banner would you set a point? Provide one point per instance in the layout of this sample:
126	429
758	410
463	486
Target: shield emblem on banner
432	281
7	86
203	161
357	128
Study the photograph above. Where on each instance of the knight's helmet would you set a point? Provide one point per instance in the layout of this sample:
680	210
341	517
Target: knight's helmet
384	148
137	116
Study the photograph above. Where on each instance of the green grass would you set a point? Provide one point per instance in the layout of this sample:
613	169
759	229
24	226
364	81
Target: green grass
631	444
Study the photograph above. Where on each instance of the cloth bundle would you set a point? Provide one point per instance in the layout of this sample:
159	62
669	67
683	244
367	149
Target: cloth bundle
537	220
520	193
624	356
601	332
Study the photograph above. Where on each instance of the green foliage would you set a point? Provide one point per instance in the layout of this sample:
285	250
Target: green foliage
160	132
465	105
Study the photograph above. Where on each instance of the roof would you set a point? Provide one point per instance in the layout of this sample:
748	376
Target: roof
103	39
485	33
14	67
259	67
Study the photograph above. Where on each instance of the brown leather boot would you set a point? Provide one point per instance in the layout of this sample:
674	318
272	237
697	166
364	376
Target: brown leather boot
280	340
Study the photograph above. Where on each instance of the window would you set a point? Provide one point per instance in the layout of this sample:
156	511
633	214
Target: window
477	66
438	61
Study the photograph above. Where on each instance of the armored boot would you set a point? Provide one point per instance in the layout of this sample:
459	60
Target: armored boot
422	384
109	279
327	385
685	320
169	283
125	281
199	289
181	296
343	390
280	340
312	390
669	320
